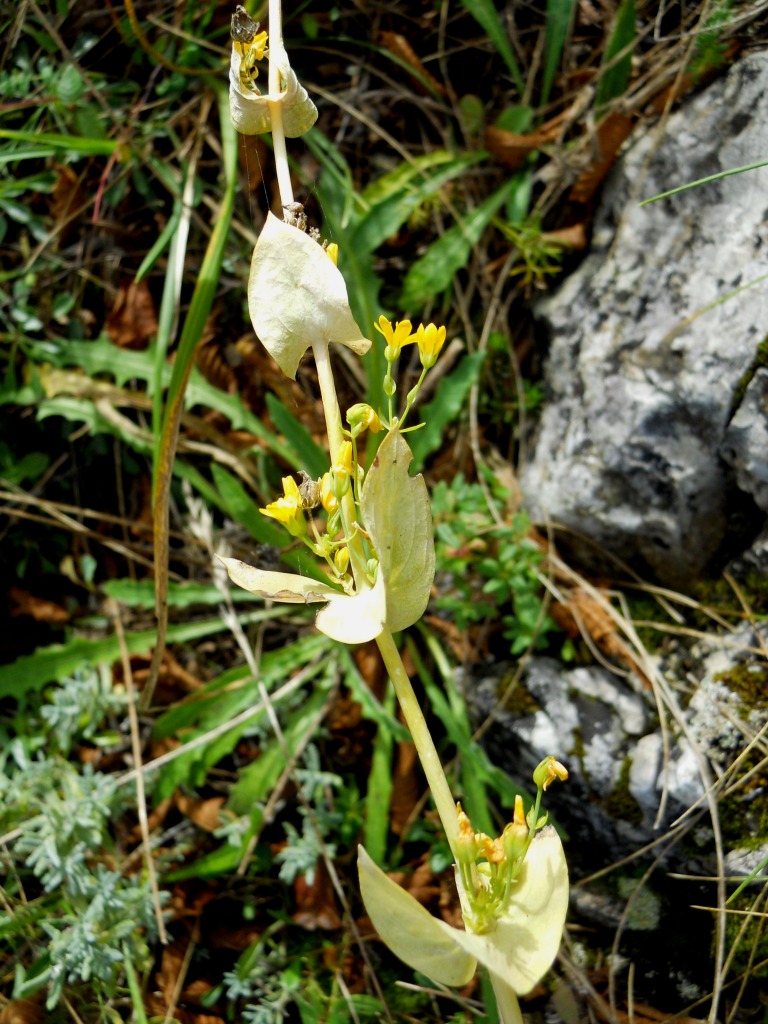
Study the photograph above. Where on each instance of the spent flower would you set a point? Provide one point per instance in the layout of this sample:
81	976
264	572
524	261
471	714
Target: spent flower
549	771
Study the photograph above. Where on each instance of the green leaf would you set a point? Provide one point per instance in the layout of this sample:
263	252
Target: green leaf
102	357
397	515
70	86
380	785
309	456
392	198
141	593
54	663
74	143
559	15
220	702
614	79
484	12
258	779
238	504
445	407
433	272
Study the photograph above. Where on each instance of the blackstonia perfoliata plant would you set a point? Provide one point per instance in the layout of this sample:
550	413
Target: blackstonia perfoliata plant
378	553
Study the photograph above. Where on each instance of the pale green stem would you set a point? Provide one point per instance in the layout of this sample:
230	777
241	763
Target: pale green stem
506	1002
422	739
334	429
276	53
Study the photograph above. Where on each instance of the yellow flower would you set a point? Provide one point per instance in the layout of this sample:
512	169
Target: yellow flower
430	340
332	250
288	509
395	337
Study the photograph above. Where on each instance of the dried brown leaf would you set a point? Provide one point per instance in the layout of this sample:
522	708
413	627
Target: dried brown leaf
206	814
23	1011
316	903
611	133
400	47
511	149
132	322
38	608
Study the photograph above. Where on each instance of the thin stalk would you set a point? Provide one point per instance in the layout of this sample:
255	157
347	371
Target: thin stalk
422	739
276	55
506	1002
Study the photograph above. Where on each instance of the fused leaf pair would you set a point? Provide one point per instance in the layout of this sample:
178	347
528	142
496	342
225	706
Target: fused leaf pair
395	511
297	297
518	951
250	109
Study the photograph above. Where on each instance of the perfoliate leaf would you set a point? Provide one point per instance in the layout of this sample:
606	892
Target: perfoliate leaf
348	618
409	930
396	512
297	296
518	951
278	586
357	618
521	948
249	109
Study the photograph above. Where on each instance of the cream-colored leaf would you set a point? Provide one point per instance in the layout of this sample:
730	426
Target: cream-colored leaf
297	296
397	515
525	941
410	931
278	586
250	111
354	619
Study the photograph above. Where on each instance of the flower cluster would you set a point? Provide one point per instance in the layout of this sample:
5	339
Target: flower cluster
428	338
329	491
488	867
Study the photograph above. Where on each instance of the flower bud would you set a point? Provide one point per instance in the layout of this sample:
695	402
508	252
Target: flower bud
341	559
332	250
362	417
515	836
342	470
548	771
468	846
328	499
430	340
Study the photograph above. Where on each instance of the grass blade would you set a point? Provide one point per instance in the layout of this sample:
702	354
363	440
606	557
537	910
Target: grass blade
484	12
559	15
614	79
200	307
433	272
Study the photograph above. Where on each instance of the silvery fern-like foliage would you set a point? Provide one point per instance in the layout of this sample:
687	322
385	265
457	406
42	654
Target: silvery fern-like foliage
80	704
117	911
60	814
69	826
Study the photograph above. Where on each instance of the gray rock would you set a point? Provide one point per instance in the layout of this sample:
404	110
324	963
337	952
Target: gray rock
608	737
746	440
592	721
645	360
